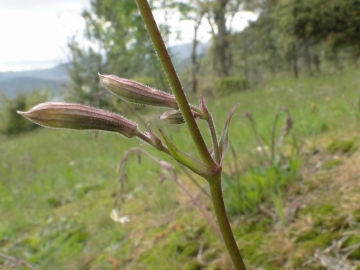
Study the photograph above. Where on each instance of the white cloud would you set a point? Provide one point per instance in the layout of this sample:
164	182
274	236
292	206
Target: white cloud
34	33
186	27
45	4
38	33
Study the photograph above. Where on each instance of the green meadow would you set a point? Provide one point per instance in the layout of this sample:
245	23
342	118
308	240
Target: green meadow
58	188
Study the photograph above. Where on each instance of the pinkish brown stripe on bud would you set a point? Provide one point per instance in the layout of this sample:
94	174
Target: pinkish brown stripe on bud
135	92
203	107
175	117
76	116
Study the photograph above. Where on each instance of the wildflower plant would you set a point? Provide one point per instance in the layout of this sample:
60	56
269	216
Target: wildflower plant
276	164
209	162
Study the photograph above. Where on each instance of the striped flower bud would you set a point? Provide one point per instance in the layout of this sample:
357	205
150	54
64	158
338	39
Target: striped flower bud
175	117
76	116
203	108
135	92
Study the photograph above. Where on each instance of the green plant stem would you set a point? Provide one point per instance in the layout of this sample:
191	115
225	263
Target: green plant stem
174	81
224	225
257	136
235	159
273	138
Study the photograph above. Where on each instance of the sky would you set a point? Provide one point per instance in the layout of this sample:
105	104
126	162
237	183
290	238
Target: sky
34	33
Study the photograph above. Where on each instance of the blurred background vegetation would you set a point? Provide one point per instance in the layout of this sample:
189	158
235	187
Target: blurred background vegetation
289	38
294	72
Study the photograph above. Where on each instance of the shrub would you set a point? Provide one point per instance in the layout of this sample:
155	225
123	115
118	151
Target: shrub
269	175
12	123
231	84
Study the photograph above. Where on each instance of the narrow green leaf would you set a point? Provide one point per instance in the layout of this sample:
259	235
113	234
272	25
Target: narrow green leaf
192	163
224	140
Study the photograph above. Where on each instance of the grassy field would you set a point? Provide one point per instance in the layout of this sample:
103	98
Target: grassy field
58	187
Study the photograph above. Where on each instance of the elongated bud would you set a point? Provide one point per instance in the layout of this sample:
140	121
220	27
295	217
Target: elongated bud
132	91
76	116
175	117
203	107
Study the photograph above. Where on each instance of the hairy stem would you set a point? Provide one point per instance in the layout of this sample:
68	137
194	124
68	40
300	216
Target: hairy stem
174	81
224	225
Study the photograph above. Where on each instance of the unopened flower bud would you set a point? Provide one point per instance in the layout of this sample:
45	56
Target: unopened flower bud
132	91
203	107
173	117
76	116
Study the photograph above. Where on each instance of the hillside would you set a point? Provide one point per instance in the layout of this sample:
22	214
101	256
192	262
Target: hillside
58	73
300	212
13	83
15	86
181	54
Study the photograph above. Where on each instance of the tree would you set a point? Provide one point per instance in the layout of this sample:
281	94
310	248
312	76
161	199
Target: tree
297	35
118	43
84	87
330	24
335	21
194	11
220	15
216	15
11	122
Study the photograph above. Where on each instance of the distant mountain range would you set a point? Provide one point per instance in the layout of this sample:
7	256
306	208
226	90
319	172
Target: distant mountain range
13	83
181	54
56	79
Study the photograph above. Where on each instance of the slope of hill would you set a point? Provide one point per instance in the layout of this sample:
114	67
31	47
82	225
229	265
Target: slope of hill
13	83
58	73
58	188
182	53
13	87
